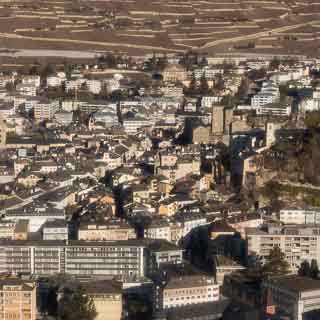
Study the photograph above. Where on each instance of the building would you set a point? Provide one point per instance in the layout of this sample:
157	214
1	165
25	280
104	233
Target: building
17	299
269	94
274	109
182	290
217	126
96	259
105	294
299	243
55	230
296	215
294	296
111	230
7	229
45	109
201	134
174	73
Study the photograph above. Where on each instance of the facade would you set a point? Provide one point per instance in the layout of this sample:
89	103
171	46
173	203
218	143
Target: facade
55	230
294	296
45	109
17	299
299	243
294	215
217	119
109	231
3	132
269	94
174	73
85	258
186	290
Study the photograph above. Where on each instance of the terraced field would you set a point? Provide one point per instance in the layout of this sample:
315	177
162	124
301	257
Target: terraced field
144	26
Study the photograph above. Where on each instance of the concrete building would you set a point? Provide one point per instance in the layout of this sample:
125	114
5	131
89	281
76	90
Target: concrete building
179	291
55	230
112	230
294	296
299	243
17	299
105	294
296	215
269	94
45	109
217	125
174	72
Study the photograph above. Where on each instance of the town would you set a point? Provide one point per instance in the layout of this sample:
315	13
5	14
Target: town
165	186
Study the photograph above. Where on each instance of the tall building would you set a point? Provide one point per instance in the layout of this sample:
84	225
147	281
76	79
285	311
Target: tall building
17	300
298	243
217	125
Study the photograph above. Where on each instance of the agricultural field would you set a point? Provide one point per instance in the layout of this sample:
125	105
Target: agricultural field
137	27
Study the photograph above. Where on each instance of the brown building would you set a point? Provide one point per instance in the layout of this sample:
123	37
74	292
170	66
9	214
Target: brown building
17	299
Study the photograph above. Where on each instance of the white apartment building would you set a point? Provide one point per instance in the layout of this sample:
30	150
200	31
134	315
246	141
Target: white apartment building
54	81
31	80
295	215
133	125
269	94
27	89
208	101
208	72
186	290
299	243
45	109
158	229
274	109
94	86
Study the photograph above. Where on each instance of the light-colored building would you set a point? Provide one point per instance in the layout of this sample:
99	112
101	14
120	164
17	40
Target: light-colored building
298	243
174	72
111	230
17	299
295	215
269	94
55	230
107	299
3	132
293	296
186	290
217	119
45	109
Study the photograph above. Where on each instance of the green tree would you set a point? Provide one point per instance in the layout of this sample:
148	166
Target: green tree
274	63
304	269
314	269
77	306
276	264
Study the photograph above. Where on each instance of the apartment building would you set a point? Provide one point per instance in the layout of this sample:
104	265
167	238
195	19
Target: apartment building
45	109
299	243
296	215
133	125
105	294
78	258
185	290
110	230
269	94
274	109
293	296
17	299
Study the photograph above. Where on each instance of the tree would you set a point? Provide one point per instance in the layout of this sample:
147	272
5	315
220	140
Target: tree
276	264
314	269
274	64
304	269
77	306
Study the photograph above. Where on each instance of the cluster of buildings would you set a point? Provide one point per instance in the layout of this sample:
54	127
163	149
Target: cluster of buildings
131	187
